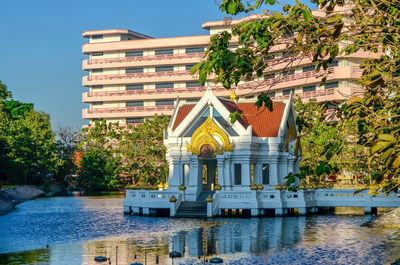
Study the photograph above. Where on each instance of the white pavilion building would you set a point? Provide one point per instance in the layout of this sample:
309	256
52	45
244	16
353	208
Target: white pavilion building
207	153
212	159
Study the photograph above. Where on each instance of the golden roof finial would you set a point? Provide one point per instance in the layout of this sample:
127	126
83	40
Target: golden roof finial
233	95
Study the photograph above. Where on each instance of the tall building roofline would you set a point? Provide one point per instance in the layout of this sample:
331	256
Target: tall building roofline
346	9
89	33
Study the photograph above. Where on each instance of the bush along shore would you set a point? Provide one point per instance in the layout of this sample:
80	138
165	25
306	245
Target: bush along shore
9	198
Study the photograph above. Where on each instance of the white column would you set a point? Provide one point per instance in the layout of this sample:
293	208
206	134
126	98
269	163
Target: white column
192	185
290	164
258	173
246	174
194	167
174	178
220	165
283	167
227	173
273	172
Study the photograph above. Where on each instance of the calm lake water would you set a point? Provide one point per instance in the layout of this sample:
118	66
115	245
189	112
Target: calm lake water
79	228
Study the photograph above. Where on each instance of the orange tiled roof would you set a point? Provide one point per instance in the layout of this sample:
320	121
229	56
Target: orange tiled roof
265	123
183	111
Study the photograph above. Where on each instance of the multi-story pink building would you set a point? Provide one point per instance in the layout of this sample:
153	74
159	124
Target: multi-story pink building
133	76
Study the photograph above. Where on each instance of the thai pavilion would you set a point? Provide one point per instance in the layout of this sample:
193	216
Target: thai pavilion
207	153
223	166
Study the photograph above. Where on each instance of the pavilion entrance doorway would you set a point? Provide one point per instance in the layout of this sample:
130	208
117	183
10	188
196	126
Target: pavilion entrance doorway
208	167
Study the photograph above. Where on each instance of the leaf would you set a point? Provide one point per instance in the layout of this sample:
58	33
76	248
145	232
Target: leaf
396	162
387	153
202	77
386	137
234	115
307	15
380	146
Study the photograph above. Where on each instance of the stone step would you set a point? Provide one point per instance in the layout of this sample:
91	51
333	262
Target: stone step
193	209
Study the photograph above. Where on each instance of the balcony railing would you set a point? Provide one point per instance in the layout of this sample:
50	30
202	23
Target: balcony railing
314	94
136	75
129	109
151	91
280	79
144	58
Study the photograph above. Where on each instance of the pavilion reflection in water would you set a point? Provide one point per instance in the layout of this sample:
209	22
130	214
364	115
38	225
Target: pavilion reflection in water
240	237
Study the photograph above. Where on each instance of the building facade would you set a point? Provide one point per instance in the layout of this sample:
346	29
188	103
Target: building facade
132	76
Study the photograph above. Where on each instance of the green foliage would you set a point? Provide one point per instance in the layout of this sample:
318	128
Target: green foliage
327	147
28	151
144	152
99	170
114	156
4	93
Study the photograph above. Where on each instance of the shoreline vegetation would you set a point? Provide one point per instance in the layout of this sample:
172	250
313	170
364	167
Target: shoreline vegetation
11	197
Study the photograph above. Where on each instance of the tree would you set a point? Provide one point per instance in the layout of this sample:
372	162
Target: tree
113	156
100	170
67	144
28	143
100	165
372	25
144	152
328	146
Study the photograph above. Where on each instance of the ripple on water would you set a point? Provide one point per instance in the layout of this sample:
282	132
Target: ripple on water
84	227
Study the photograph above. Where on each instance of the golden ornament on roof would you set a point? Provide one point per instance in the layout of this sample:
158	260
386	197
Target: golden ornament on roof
205	135
233	95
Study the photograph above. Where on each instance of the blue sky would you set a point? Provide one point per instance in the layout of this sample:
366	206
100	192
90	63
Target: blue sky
41	41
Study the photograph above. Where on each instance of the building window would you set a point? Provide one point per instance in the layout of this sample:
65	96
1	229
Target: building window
238	174
164	68
99	70
97	37
287	54
249	97
265	174
164	102
193	84
334	63
269	76
287	92
97	86
270	94
192	99
189	66
164	85
134	87
133	120
98	103
332	85
309	88
194	49
290	72
134	54
134	70
308	68
135	103
164	51
97	53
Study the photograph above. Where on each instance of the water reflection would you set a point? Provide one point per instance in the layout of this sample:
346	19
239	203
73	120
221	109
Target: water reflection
78	230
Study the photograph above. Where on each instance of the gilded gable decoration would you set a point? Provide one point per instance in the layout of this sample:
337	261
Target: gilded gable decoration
204	135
